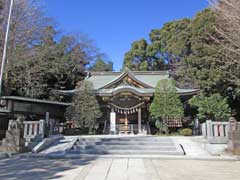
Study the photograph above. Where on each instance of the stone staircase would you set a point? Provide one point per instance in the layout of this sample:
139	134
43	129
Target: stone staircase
125	145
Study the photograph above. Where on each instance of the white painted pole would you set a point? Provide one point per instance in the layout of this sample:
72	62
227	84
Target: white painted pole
5	47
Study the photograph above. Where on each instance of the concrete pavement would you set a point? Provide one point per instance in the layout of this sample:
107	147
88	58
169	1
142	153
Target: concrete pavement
18	168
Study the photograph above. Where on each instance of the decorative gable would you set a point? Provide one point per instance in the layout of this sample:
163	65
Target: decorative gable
126	78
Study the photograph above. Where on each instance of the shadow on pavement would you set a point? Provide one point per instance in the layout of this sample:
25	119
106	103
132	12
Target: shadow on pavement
20	168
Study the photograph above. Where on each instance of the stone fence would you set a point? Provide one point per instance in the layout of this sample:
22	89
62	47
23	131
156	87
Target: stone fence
216	132
33	129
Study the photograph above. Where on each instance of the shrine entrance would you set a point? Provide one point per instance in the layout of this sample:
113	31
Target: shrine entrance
130	113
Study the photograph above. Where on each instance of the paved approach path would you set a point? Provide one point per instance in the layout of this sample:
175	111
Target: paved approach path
18	168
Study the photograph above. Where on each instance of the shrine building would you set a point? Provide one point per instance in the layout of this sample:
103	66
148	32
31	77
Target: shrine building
125	98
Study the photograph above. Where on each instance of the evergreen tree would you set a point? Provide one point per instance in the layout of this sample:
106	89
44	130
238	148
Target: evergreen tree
101	65
169	44
85	109
166	103
203	66
214	107
136	59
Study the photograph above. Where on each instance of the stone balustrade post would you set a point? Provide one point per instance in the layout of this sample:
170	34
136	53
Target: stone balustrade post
209	129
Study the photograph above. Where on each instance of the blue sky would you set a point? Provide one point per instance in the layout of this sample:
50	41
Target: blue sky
115	24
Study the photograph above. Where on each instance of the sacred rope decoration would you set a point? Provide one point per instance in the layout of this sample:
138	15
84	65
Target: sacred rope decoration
130	110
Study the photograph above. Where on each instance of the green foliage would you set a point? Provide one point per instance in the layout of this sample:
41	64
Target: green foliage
85	109
214	107
167	45
163	127
166	103
101	65
40	60
186	132
203	66
56	65
136	59
193	49
172	40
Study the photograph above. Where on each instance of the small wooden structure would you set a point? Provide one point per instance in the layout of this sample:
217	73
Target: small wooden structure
33	110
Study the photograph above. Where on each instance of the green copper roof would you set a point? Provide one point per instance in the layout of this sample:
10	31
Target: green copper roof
101	79
152	79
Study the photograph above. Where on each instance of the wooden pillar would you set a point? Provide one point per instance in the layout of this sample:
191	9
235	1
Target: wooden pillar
139	120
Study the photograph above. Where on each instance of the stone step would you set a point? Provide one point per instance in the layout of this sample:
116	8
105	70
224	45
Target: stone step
127	143
117	147
125	152
146	139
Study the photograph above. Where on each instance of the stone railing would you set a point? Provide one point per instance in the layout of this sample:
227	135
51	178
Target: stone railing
216	132
33	129
23	135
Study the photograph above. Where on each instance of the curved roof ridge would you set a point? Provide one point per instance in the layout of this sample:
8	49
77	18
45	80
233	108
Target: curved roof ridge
104	73
122	75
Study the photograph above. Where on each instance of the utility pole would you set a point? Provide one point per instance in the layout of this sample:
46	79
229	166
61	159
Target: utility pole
5	48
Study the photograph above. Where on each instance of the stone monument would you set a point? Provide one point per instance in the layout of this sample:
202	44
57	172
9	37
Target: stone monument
14	141
234	136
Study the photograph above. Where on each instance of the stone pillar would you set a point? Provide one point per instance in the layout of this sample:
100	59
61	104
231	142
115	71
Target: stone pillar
139	120
234	137
209	130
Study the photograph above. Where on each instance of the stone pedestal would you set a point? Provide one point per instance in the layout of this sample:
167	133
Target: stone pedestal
14	141
234	137
234	142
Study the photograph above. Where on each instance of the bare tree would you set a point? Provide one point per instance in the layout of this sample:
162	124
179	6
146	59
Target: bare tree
27	25
228	26
228	37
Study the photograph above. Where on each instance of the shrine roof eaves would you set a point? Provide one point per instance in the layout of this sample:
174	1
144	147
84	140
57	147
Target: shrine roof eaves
147	78
19	98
